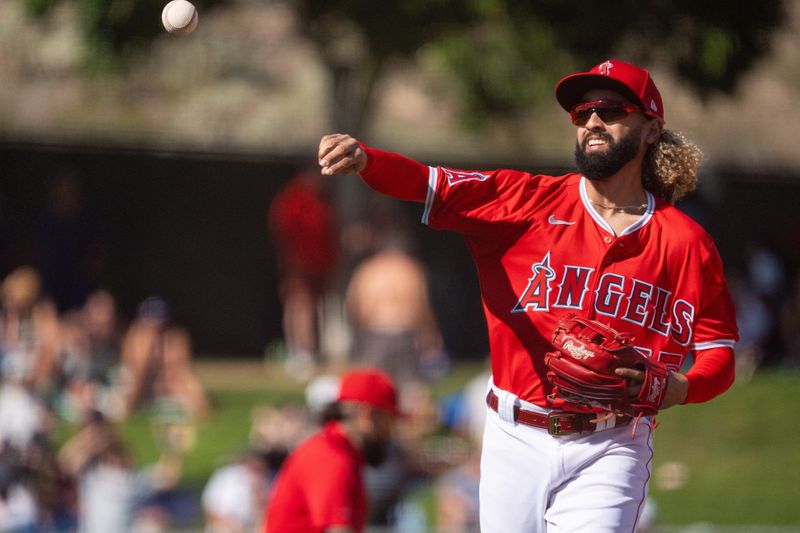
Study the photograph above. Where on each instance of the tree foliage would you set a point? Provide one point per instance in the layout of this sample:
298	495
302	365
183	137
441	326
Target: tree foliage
358	38
711	43
505	54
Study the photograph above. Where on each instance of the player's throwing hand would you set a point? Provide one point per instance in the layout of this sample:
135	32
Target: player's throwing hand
340	154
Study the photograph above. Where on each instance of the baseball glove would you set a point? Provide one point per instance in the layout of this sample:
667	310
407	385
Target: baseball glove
582	370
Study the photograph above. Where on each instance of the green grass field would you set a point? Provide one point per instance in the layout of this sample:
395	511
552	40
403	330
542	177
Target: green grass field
742	453
732	462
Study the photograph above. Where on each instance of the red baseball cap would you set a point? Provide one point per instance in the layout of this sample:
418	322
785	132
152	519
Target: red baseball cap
369	386
629	80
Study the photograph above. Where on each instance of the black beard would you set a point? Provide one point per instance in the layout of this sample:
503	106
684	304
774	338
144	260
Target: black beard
601	166
375	451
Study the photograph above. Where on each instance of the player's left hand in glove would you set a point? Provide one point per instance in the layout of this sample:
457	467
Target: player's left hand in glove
582	370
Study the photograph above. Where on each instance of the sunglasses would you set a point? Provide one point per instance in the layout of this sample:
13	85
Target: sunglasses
608	110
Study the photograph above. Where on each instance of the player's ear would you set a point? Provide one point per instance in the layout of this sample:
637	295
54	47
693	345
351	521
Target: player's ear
652	131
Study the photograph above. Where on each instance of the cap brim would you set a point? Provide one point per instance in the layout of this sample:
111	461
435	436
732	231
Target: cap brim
571	89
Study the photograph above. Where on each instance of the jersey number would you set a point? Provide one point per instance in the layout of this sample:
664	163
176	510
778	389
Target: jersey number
670	360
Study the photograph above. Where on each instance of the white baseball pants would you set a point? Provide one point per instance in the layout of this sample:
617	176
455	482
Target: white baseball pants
533	482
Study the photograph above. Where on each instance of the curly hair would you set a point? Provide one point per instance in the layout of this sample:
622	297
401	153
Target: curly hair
670	167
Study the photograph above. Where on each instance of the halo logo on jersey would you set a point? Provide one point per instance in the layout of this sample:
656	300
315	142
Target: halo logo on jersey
455	177
536	295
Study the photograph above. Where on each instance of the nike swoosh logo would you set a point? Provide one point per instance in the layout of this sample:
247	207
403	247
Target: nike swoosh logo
553	220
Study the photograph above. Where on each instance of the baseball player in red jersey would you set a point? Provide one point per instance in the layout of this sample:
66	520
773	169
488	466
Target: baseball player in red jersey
606	244
320	487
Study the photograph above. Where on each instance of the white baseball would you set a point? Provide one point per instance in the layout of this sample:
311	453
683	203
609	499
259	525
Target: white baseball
179	17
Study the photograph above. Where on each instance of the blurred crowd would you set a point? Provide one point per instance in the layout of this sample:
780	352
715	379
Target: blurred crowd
74	371
69	379
77	373
766	291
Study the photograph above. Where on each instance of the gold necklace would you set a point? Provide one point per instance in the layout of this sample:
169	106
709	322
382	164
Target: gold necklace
620	209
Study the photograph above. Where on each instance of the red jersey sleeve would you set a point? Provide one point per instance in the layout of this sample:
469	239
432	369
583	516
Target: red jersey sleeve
463	201
715	333
395	175
470	202
711	374
715	325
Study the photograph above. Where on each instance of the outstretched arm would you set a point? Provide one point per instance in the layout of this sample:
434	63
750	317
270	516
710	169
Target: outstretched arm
388	173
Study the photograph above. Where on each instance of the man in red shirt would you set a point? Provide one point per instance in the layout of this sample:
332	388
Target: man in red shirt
320	487
605	243
303	225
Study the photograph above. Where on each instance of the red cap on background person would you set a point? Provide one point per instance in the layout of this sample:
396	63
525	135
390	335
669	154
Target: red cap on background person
629	80
369	386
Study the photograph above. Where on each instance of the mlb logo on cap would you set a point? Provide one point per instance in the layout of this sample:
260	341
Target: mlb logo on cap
630	81
605	68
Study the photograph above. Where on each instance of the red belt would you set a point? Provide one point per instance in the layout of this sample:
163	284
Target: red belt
556	422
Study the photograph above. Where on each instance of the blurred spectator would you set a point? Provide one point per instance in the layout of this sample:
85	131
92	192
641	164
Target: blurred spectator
156	363
389	311
100	322
456	496
109	489
303	226
407	462
29	338
755	324
321	486
766	276
168	503
766	272
390	484
423	416
18	508
456	491
90	340
34	496
235	495
276	431
22	416
114	495
29	332
321	392
386	485
465	412
70	246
